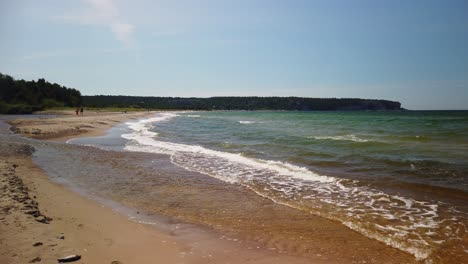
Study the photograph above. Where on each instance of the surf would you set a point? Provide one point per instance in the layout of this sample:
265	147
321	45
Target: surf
403	223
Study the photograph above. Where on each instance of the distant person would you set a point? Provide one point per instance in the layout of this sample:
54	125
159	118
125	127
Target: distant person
81	111
77	110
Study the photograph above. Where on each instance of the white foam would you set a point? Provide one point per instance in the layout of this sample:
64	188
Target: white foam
141	127
246	122
231	164
342	138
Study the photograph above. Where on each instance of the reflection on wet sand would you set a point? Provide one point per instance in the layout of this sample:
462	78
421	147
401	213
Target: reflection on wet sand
150	183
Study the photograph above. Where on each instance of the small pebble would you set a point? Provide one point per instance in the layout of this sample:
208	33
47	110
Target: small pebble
38	259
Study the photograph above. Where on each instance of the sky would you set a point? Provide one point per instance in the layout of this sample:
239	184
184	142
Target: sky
415	52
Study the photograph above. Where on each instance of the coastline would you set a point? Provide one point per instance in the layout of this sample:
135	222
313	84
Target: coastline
98	233
102	235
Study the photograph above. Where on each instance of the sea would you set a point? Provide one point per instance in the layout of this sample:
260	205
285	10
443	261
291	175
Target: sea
398	177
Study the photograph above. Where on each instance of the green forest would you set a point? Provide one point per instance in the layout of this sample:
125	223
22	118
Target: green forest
25	97
241	103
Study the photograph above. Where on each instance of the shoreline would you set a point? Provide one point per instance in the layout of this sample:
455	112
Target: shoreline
252	256
95	232
98	233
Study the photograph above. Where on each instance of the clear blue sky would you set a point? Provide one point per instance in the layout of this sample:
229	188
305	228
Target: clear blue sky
415	52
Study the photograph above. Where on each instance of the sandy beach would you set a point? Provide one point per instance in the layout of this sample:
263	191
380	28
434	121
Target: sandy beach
67	125
43	220
76	225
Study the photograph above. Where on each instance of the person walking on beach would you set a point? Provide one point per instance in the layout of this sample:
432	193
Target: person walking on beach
77	110
81	111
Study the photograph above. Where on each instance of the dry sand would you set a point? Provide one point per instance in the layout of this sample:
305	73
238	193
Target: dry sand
67	125
42	221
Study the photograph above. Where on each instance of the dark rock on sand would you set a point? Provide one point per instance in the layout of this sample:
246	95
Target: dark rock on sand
38	259
42	219
33	212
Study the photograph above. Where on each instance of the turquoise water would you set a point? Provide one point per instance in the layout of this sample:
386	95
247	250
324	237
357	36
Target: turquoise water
422	147
397	177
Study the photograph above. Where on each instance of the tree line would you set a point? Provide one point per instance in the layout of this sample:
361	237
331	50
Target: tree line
240	103
24	97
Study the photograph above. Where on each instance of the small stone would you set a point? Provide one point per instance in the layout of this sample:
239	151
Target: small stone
38	259
37	244
34	212
62	236
42	219
116	262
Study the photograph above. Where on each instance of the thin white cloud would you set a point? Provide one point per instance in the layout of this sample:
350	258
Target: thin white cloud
104	7
123	32
103	13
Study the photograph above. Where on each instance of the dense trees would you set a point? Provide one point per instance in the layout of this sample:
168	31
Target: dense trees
22	97
240	103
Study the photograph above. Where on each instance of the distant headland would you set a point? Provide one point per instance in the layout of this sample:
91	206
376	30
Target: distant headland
24	97
241	103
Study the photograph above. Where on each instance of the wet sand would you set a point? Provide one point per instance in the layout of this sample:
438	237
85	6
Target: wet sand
98	234
232	224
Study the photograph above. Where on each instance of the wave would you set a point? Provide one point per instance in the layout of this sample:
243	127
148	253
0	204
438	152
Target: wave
147	143
403	223
409	138
247	122
341	138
